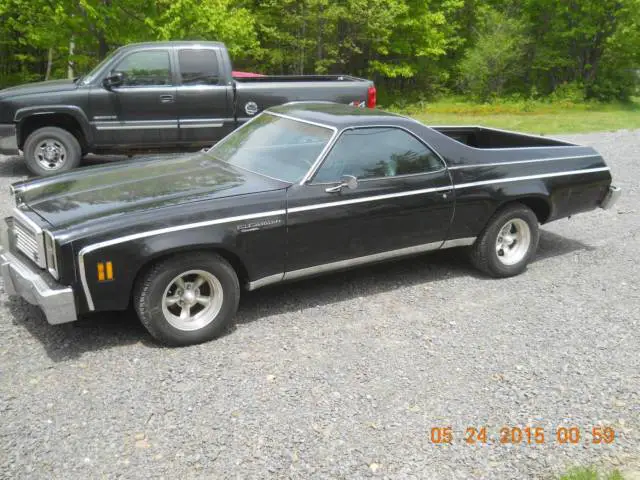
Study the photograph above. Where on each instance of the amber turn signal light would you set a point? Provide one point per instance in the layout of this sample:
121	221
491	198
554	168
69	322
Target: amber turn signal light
105	271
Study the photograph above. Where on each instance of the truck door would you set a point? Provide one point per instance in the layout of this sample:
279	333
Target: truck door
141	111
402	204
205	97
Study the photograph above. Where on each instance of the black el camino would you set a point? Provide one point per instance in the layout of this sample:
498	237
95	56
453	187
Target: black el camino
302	189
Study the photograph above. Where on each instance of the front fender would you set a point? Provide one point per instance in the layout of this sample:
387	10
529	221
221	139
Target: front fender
258	252
74	111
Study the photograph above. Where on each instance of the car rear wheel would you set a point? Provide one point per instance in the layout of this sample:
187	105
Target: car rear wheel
508	242
50	150
187	299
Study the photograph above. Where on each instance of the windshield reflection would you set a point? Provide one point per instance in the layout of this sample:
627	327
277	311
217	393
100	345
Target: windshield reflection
274	146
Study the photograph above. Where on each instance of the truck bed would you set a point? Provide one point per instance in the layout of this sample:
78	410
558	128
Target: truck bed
299	78
489	138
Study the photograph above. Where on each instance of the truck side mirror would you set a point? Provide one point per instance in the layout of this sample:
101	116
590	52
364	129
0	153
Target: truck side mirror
114	80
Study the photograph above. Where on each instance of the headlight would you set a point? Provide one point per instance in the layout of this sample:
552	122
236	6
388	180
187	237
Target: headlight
50	253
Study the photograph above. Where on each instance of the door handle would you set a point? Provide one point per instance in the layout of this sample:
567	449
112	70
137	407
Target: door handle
166	98
446	194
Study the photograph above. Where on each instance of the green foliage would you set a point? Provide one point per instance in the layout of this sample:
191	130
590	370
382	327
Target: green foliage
525	114
590	474
496	60
415	50
208	20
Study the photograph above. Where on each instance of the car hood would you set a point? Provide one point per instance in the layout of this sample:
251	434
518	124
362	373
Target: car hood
95	193
51	86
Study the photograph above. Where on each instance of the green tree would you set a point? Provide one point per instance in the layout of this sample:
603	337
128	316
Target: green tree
495	61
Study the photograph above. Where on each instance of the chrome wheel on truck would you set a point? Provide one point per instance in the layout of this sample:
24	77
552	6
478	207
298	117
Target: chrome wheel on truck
187	298
192	300
508	242
51	154
50	150
513	241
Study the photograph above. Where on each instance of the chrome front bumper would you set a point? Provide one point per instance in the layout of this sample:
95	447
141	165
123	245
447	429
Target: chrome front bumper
611	197
8	140
21	279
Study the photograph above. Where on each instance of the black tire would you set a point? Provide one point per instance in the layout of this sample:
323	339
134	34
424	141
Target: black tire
484	252
64	143
149	297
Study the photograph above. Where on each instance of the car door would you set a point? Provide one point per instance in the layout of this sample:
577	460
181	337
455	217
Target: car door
141	111
403	201
204	97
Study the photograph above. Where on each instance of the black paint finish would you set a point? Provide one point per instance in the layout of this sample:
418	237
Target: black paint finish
136	212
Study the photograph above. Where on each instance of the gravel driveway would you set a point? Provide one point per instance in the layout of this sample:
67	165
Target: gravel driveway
344	376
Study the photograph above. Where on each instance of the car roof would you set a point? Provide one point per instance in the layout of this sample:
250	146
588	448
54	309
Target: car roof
173	43
338	115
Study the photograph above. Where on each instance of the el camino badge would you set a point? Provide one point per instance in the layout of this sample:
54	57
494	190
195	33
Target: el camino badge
253	226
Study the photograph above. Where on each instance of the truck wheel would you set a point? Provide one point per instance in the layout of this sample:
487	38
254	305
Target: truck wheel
187	299
51	150
508	242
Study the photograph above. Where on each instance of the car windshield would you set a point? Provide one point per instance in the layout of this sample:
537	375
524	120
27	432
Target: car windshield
274	146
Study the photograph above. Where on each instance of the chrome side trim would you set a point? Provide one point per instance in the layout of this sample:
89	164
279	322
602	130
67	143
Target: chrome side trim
305	272
517	162
367	199
160	231
261	282
201	125
532	177
136	125
459	242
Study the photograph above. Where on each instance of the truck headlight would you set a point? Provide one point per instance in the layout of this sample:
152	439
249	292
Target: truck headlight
50	253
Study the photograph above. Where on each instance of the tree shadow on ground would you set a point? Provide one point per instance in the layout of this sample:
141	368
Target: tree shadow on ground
115	329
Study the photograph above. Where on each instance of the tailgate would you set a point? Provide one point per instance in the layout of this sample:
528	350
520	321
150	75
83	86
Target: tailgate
253	97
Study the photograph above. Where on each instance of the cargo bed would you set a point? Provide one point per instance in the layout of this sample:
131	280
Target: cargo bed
490	138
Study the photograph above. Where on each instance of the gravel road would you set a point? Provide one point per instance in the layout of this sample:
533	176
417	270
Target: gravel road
344	376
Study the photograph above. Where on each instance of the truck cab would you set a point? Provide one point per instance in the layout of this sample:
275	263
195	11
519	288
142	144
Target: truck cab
158	96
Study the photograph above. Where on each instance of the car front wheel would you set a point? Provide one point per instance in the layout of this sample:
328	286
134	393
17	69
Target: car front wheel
187	299
508	242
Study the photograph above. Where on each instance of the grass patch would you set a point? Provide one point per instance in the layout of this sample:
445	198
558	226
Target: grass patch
531	116
590	474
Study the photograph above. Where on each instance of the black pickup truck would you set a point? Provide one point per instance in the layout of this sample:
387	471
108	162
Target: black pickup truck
160	96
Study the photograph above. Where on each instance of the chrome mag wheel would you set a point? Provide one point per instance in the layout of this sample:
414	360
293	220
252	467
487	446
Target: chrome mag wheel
192	300
51	154
513	241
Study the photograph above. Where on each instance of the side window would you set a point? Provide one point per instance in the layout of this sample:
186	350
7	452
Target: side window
150	68
375	153
198	67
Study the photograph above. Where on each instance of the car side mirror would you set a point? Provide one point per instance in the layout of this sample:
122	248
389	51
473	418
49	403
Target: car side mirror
114	80
347	181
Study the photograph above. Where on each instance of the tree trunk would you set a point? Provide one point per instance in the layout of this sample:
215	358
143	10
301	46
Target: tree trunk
72	46
47	75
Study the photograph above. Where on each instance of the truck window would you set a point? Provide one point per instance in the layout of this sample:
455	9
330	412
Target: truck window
377	153
198	67
149	68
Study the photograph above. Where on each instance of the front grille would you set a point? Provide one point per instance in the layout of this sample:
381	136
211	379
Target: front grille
29	241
